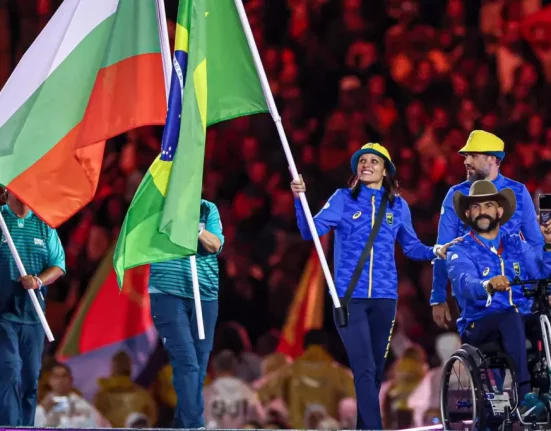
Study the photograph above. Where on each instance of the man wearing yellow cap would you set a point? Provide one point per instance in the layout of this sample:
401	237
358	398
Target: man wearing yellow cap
483	154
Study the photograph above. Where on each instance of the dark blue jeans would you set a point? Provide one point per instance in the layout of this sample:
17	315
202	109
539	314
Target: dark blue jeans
366	339
20	362
176	323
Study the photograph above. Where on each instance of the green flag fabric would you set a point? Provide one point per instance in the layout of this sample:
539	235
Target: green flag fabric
214	79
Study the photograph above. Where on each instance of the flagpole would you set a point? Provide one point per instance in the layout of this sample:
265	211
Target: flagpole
197	298
282	136
165	45
167	67
23	273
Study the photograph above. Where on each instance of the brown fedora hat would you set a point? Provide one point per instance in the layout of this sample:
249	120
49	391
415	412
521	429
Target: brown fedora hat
482	191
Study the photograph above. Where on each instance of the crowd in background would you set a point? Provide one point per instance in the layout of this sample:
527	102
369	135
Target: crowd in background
251	390
415	75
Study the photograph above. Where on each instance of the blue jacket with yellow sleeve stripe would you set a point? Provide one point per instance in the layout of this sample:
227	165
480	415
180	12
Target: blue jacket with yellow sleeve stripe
475	260
524	221
352	219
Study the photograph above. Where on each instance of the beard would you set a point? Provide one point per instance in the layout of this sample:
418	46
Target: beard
492	225
476	176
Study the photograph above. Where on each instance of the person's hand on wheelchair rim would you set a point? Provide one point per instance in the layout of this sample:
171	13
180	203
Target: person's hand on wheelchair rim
499	283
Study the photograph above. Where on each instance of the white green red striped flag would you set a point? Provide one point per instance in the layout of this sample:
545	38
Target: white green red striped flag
95	71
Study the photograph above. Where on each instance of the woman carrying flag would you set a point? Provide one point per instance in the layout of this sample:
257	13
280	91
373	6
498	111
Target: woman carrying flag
371	204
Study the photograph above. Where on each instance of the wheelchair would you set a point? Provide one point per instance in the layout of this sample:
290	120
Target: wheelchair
479	387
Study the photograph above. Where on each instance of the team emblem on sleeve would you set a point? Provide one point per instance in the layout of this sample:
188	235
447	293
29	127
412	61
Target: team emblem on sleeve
389	219
516	267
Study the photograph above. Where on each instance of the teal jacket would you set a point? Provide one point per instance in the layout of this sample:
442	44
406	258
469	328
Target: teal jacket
174	276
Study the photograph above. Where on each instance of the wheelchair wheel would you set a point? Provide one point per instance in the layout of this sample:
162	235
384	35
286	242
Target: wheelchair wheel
461	402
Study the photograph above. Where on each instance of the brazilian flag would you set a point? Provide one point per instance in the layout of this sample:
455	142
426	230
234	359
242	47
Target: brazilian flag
214	79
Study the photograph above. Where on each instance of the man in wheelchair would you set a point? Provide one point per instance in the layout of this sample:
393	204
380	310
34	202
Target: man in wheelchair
481	268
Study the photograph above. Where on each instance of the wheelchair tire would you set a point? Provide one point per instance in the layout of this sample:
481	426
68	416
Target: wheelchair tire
462	420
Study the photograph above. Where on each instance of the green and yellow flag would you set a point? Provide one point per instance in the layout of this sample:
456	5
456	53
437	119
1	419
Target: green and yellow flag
214	79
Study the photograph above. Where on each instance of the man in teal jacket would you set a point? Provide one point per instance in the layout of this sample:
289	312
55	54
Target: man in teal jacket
21	336
483	155
173	311
481	268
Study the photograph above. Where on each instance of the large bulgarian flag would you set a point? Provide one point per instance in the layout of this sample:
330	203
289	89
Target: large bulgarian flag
107	322
95	71
214	79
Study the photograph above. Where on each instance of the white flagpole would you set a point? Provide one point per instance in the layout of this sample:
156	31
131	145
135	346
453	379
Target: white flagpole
167	67
165	45
277	120
197	298
23	273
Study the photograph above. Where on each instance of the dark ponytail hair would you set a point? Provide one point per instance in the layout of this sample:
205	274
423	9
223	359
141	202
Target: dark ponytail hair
389	183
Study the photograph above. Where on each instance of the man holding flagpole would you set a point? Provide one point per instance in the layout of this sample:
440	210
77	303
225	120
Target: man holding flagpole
174	315
217	76
168	225
21	336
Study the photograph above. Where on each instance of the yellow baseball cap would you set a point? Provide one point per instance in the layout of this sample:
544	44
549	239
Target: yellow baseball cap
378	150
484	142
